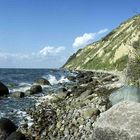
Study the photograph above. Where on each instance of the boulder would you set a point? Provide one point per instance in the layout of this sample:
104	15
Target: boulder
126	93
28	92
16	136
18	94
61	90
3	89
84	94
42	81
35	89
121	122
61	93
89	112
6	128
72	78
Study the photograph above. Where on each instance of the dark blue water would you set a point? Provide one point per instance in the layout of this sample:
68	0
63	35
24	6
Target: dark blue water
17	76
21	80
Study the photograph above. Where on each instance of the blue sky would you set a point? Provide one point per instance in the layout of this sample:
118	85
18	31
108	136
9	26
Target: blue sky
44	33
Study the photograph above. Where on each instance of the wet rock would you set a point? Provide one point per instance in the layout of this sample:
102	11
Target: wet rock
72	78
6	128
42	81
35	89
28	93
70	112
3	89
16	136
61	90
18	94
44	121
121	122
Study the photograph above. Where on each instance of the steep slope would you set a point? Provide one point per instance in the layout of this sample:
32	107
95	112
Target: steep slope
112	51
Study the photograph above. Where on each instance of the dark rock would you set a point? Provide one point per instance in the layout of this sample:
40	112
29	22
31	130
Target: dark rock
80	75
85	80
6	128
109	78
61	90
42	81
35	89
16	136
72	78
78	91
85	94
3	89
18	94
103	91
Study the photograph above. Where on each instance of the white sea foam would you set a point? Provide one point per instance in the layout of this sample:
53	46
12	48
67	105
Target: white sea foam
22	87
52	79
43	99
24	84
63	80
23	114
2	115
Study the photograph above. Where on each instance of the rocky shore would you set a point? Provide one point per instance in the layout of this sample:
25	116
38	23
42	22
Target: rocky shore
70	112
81	109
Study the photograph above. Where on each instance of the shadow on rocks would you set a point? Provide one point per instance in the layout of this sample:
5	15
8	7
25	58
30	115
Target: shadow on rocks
8	128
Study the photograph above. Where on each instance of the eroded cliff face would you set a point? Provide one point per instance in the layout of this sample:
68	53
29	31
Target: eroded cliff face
111	52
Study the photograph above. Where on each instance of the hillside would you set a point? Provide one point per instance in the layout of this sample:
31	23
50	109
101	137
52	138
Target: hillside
111	52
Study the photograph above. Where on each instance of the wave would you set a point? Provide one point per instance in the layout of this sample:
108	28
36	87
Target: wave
23	114
53	80
21	87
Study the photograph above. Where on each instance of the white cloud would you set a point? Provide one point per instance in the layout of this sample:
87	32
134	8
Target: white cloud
50	50
83	40
87	38
103	31
48	57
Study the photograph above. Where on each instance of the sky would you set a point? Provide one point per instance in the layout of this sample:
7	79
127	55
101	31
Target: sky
44	33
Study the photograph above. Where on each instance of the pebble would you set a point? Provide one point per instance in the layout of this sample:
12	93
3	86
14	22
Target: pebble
71	118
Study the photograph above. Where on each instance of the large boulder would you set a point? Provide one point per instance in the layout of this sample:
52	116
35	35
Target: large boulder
16	136
6	128
35	89
3	89
121	122
42	81
126	93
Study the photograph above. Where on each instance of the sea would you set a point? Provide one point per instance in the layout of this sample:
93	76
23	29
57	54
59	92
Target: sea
22	80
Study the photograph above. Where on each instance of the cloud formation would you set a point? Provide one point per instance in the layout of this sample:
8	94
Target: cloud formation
87	38
102	31
50	50
46	57
49	56
83	40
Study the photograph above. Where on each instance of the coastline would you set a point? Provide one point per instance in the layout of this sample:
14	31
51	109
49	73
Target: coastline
71	112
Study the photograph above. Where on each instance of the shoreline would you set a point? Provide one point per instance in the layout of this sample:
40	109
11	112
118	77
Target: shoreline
71	112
